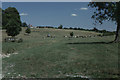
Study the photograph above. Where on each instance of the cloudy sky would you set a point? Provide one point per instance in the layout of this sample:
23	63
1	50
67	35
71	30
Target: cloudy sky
69	14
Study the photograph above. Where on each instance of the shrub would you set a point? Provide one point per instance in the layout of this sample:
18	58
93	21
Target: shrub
28	30
24	24
71	34
75	28
65	28
60	27
70	28
95	29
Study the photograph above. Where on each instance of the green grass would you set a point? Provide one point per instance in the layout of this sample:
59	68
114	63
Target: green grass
58	57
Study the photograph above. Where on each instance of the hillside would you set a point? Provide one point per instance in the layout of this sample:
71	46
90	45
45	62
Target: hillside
57	57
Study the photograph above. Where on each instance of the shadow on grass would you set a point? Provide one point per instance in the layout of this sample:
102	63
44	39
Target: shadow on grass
91	42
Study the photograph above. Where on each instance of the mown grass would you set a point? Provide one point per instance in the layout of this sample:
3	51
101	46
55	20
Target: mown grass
57	57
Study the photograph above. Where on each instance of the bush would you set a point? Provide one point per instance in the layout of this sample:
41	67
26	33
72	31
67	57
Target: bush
70	28
28	30
95	29
75	28
71	34
65	28
60	27
24	24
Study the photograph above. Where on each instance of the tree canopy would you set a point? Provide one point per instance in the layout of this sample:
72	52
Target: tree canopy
109	11
8	14
24	24
0	17
12	28
11	21
71	34
106	11
60	27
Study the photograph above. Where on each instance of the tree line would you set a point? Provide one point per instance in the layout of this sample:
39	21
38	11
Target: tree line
105	11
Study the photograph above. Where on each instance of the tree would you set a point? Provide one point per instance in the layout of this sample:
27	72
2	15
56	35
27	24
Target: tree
109	11
71	34
24	24
95	29
60	27
0	18
13	28
70	28
28	30
8	14
4	19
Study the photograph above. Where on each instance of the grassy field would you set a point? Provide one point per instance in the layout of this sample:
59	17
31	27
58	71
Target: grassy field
59	57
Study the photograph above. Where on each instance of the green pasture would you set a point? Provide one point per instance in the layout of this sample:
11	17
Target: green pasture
44	57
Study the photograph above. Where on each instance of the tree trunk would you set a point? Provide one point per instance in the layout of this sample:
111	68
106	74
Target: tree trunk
117	37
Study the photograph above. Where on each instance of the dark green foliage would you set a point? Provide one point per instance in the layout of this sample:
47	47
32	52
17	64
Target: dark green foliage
70	28
107	11
28	30
95	29
4	19
24	24
75	28
45	27
12	28
8	14
0	17
66	28
60	27
71	34
104	11
102	31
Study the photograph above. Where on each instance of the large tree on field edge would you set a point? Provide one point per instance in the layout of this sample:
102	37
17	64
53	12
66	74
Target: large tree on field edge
8	14
11	21
107	11
12	28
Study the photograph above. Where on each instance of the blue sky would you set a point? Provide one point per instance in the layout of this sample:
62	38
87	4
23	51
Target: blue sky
47	0
69	14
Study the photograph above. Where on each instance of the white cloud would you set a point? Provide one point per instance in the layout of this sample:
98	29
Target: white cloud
73	14
83	8
23	14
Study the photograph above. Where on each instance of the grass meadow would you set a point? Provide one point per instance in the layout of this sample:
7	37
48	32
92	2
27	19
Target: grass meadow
60	57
